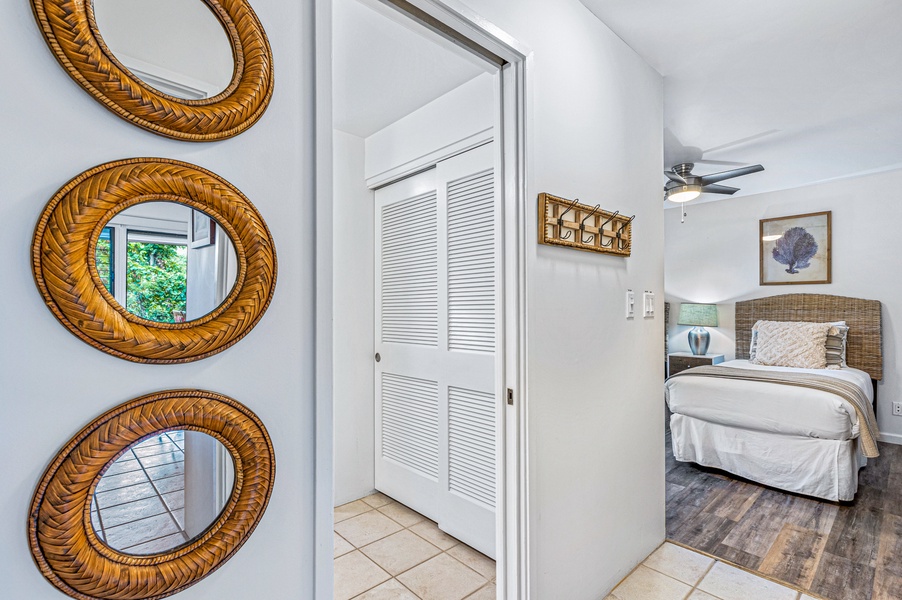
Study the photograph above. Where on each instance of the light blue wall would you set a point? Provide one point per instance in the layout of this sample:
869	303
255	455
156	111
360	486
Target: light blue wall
52	384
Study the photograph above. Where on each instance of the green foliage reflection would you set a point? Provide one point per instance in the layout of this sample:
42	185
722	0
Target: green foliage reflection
156	280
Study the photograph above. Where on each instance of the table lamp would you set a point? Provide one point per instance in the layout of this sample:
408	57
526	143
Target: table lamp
700	315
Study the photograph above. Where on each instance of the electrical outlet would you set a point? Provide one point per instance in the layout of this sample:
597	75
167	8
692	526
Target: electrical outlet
897	409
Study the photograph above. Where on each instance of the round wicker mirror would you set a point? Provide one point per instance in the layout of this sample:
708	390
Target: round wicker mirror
71	31
64	260
63	540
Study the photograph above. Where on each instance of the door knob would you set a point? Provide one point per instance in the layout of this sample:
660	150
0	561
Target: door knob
378	357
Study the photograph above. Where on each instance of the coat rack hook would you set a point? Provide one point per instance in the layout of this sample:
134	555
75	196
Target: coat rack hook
582	224
560	221
626	224
616	212
601	230
620	240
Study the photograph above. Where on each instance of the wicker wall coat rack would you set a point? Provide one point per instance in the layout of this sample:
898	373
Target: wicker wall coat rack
568	223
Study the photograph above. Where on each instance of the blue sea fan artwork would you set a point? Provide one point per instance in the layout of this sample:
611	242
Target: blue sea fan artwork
795	249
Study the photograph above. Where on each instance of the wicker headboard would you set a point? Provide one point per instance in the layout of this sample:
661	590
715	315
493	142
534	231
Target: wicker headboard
864	346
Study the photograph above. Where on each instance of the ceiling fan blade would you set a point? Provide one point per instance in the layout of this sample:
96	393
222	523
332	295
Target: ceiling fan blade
674	177
718	189
722	163
715	177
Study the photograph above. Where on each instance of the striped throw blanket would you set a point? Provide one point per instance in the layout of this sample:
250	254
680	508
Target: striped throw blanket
844	389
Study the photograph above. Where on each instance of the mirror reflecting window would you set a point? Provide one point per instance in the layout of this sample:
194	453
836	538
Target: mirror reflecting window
175	46
165	262
162	492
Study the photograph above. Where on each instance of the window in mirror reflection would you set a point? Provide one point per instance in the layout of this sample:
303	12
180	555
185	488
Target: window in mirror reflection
104	257
162	493
146	262
156	276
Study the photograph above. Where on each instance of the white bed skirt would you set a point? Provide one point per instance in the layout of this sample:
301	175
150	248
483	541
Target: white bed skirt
815	467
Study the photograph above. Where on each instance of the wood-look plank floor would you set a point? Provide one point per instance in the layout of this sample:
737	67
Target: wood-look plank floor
837	550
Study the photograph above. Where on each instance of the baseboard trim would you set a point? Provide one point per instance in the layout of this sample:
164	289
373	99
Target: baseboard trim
891	438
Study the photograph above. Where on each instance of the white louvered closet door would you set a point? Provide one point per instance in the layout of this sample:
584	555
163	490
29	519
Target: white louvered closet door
436	306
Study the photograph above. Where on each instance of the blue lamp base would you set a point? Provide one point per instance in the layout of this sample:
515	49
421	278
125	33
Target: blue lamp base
699	338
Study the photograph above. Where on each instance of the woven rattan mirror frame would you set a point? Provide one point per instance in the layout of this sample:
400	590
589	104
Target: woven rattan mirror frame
71	32
63	260
60	534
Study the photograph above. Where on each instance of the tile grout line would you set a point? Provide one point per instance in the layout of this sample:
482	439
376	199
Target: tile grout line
669	576
141	543
149	479
162	500
730	563
133	485
359	549
394	577
97	502
698	582
100	520
633	570
133	521
702	578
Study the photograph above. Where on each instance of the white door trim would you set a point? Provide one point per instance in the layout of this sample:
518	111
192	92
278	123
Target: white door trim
426	161
319	49
510	125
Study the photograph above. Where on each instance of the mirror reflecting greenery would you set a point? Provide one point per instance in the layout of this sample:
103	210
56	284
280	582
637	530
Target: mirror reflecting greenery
162	492
178	47
165	262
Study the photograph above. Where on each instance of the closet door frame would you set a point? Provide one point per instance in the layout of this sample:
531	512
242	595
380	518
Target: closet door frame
437	317
512	526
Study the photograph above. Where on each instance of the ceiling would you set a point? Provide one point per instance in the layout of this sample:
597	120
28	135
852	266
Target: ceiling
811	89
385	67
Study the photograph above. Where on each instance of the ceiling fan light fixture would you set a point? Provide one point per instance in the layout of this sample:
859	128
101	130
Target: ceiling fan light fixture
684	193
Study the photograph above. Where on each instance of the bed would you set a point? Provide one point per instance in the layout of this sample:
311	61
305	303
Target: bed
801	439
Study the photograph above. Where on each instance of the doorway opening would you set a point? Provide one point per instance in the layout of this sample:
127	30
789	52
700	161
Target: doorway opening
426	247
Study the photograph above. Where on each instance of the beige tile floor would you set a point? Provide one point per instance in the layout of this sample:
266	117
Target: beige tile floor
675	573
386	551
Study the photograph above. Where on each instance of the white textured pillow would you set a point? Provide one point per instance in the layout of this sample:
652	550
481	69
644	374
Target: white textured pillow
831	360
791	344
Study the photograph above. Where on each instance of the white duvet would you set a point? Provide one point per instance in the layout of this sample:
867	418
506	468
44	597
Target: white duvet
760	406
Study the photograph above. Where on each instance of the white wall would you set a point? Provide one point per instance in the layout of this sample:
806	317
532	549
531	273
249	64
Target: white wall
596	466
177	216
177	36
429	129
53	383
713	258
353	311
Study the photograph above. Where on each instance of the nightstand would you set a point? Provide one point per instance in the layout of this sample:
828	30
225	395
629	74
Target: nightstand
680	361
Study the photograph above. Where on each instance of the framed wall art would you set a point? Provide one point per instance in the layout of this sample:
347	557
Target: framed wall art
795	249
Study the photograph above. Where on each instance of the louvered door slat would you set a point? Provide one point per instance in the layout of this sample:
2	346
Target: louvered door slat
471	448
410	422
471	263
410	271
